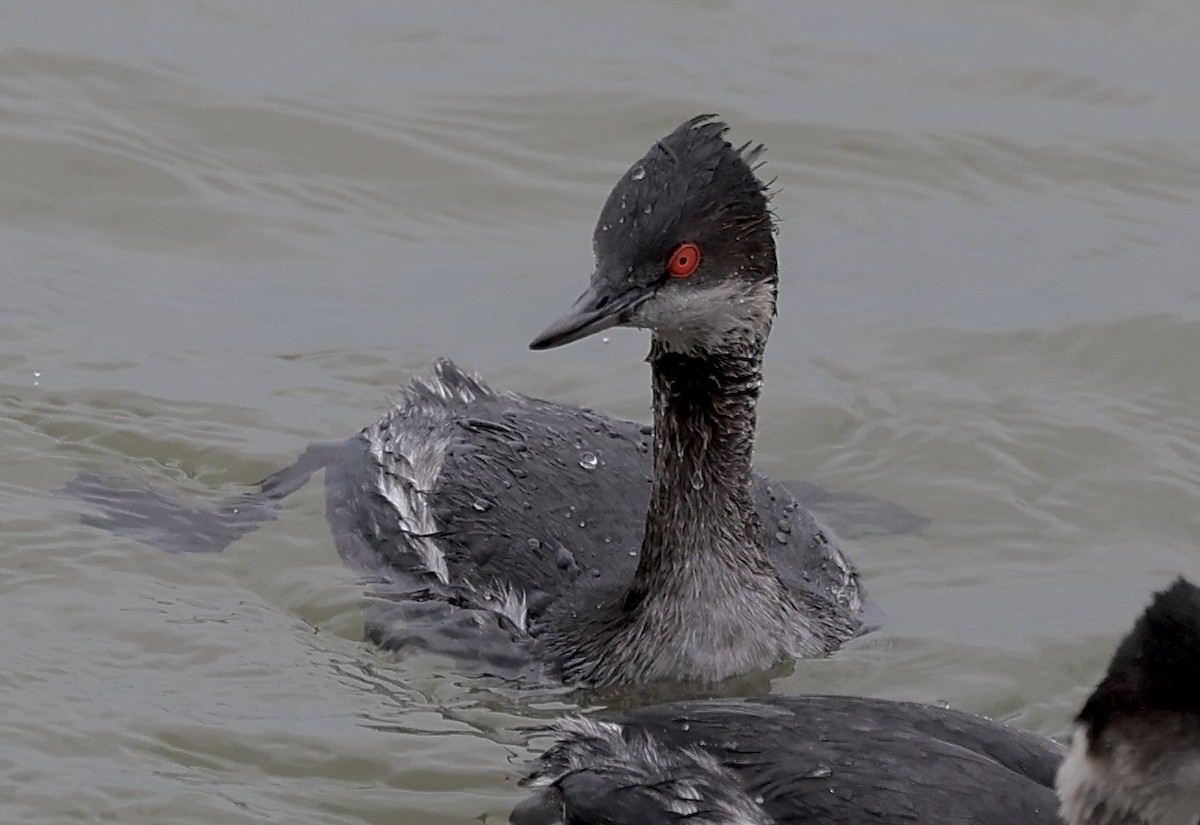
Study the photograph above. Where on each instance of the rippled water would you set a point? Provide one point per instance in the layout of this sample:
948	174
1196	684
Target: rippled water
231	229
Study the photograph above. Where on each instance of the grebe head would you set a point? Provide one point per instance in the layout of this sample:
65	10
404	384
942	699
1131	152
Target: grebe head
684	247
1135	753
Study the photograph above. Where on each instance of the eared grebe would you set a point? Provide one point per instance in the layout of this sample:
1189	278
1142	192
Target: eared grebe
519	532
832	759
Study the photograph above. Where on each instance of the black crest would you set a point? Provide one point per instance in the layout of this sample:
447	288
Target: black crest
1157	666
692	185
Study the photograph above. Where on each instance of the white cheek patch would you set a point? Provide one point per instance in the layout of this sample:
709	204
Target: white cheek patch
687	319
1165	791
1189	777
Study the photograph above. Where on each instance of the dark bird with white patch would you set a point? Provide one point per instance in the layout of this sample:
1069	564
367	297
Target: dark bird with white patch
834	760
526	535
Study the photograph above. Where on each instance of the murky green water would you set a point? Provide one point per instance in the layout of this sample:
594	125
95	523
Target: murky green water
230	229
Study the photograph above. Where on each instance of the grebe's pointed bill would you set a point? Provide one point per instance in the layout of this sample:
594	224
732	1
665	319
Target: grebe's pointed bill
596	310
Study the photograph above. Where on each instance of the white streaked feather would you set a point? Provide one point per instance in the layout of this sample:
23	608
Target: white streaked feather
410	460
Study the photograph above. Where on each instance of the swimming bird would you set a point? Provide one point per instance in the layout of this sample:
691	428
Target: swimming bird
1134	758
520	532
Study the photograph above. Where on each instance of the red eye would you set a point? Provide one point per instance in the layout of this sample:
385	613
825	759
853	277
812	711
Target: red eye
684	260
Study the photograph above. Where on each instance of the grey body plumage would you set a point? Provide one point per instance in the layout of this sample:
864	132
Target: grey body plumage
1135	759
705	601
533	539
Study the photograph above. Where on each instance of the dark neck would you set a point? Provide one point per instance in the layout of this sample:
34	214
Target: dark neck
701	514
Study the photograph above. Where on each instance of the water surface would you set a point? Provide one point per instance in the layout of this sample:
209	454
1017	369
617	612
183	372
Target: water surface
231	230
